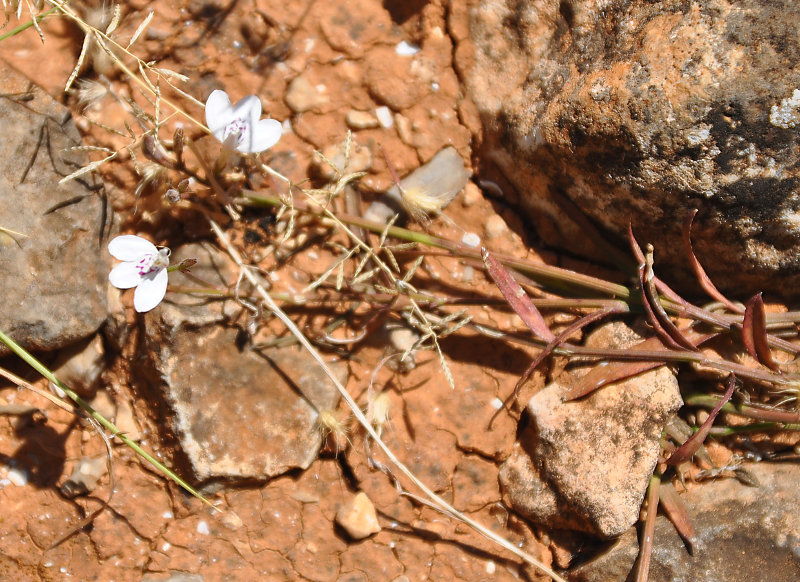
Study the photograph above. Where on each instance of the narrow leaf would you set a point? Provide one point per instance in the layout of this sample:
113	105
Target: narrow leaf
516	297
699	272
687	449
754	332
648	530
653	305
677	513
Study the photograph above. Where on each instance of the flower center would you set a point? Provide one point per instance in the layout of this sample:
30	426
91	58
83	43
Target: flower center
237	127
153	262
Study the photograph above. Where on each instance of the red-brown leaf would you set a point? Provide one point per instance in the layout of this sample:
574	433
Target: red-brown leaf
688	449
676	511
516	297
699	272
754	332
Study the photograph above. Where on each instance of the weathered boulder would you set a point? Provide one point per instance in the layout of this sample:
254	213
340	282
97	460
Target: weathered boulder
641	111
53	258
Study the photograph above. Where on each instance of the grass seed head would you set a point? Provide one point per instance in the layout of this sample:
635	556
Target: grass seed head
330	424
378	411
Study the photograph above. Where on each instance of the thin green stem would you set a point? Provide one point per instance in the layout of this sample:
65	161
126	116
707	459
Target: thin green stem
558	278
27	25
44	371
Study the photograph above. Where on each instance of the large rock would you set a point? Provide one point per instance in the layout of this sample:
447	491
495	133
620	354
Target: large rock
585	465
743	533
54	272
237	414
641	111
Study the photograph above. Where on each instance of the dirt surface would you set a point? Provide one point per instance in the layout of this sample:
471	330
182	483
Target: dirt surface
345	54
312	64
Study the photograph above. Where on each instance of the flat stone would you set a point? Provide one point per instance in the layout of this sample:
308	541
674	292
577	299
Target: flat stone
743	533
640	111
55	270
240	414
585	465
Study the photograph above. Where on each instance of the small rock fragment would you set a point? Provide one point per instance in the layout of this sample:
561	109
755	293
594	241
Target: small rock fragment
405	49
385	117
85	475
358	517
471	239
303	96
18	476
495	227
472	195
361	119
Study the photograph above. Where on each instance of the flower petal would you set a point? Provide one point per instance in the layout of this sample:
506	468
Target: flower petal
129	247
249	109
262	137
219	113
150	291
125	276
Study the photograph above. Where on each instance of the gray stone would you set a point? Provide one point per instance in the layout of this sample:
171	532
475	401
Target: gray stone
585	465
54	277
240	414
743	533
641	111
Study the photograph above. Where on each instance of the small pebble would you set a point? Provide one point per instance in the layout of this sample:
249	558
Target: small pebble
471	239
302	96
385	117
405	49
18	477
472	195
360	119
202	528
358	517
495	227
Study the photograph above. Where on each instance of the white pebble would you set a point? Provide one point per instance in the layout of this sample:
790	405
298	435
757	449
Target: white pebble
18	477
405	49
202	528
491	567
385	117
496	403
471	239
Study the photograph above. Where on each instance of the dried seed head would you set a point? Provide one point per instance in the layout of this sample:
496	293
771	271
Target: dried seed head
378	411
90	93
329	424
152	175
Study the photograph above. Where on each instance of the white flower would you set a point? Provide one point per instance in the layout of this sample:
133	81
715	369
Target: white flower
144	267
240	125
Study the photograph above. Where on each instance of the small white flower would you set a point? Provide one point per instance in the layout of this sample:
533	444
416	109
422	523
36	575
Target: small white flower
144	266
241	125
